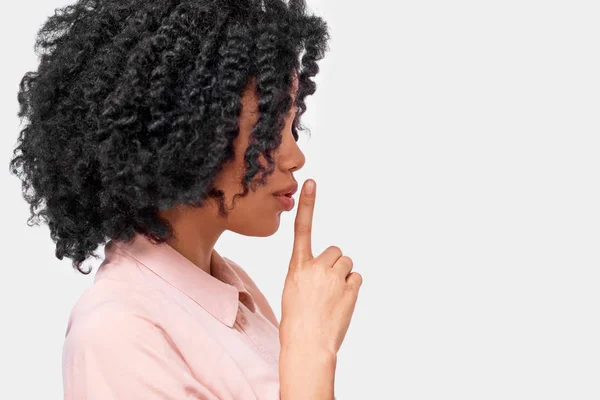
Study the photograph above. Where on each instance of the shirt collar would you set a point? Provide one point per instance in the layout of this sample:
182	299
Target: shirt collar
219	292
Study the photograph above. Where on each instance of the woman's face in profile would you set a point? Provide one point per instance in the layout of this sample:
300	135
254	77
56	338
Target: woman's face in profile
258	213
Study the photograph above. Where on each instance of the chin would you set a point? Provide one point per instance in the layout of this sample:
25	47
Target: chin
260	228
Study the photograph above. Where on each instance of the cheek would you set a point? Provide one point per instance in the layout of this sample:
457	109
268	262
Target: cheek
229	180
257	206
255	216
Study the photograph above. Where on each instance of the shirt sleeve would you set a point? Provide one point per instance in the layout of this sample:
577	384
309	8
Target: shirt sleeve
119	355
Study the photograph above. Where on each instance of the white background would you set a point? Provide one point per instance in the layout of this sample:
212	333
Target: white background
456	150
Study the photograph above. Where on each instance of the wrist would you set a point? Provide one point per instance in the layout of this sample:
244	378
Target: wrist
306	372
311	352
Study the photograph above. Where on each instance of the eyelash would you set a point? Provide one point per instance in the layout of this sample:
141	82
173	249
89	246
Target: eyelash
295	129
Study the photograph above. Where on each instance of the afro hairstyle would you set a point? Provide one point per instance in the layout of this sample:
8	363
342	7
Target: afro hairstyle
135	105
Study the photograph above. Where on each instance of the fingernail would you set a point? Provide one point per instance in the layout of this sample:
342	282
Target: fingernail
310	187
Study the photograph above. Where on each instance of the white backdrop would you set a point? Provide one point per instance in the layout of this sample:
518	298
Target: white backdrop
456	150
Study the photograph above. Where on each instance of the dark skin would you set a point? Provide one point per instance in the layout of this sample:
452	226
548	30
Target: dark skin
257	214
319	294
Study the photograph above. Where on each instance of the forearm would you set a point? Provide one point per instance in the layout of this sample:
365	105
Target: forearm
306	375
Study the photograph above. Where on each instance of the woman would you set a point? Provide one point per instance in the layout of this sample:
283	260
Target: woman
153	127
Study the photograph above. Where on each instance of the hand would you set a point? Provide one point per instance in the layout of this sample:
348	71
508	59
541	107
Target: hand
320	292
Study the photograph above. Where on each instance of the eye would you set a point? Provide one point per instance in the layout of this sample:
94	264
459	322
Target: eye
295	128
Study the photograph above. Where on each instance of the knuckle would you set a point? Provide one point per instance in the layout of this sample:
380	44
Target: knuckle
335	250
347	260
303	227
307	201
355	280
358	278
294	262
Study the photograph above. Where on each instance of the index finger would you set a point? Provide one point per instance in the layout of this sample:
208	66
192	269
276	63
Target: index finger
302	249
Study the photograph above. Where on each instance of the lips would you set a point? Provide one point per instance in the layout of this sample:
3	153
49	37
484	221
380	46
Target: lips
289	191
284	196
286	202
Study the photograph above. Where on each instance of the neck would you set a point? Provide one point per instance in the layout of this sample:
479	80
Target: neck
196	233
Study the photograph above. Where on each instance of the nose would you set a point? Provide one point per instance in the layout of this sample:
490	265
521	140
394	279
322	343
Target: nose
299	158
289	156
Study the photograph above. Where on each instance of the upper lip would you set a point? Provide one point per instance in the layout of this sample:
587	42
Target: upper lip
290	190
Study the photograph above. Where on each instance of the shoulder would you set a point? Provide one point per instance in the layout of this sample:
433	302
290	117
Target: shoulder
114	351
259	298
107	298
97	338
104	312
112	319
106	324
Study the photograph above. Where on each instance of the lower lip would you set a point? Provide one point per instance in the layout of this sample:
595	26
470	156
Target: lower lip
286	202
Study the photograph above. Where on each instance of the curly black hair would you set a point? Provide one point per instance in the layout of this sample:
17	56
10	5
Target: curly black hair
135	105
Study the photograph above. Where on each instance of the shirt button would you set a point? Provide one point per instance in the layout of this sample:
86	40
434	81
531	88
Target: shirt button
243	320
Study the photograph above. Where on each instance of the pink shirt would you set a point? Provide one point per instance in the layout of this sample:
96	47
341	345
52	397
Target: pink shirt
155	326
